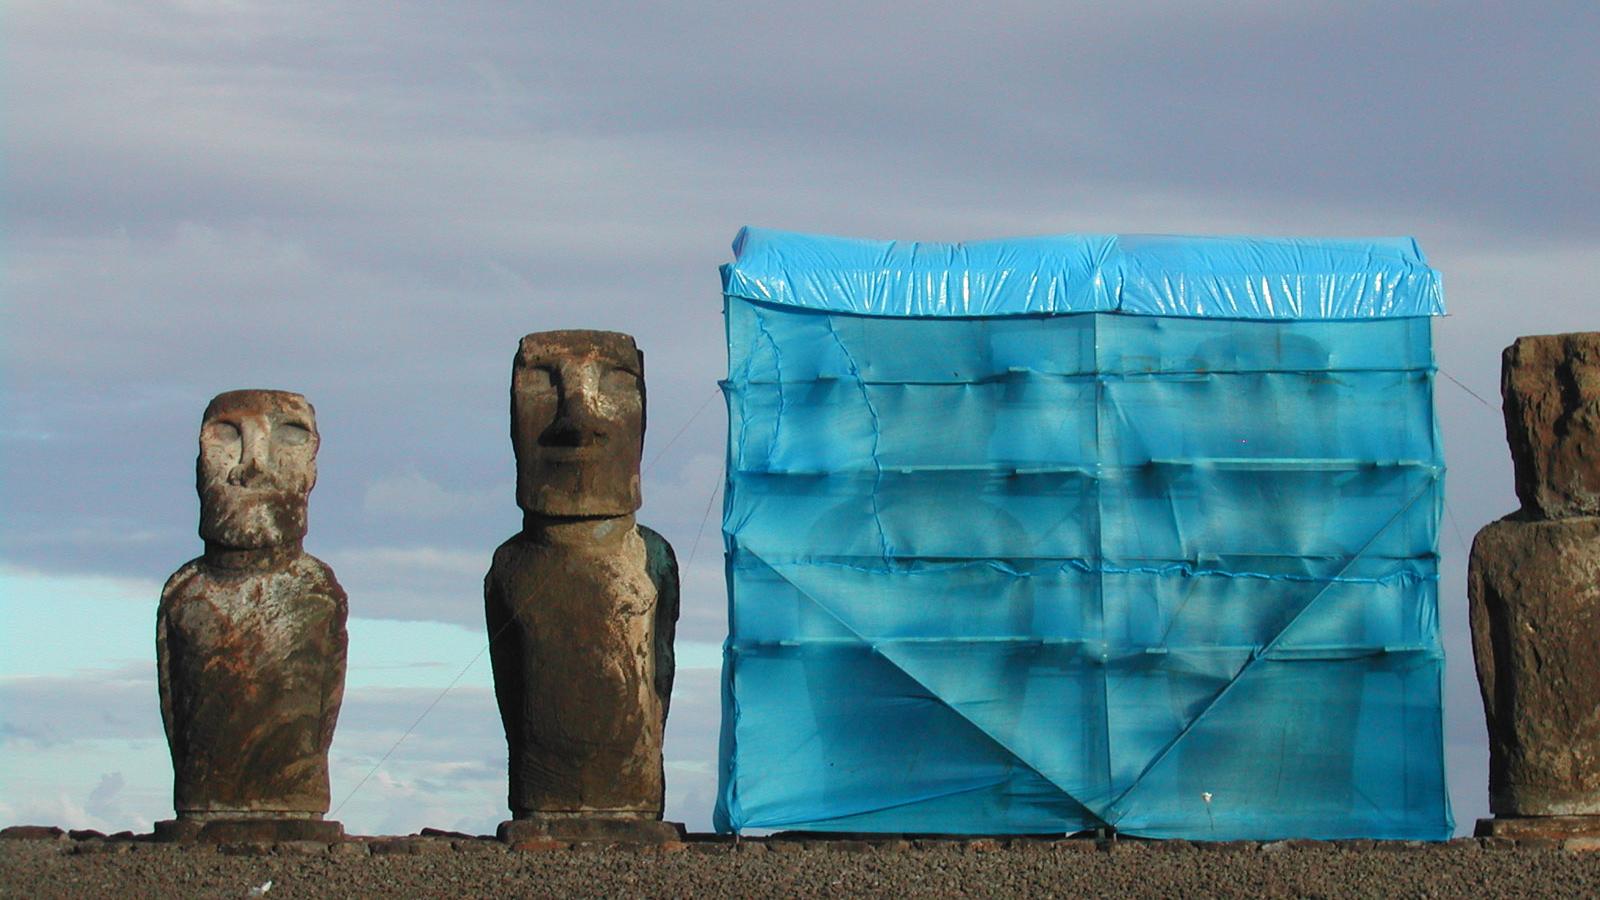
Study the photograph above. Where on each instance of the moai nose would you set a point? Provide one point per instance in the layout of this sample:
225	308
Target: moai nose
254	453
579	420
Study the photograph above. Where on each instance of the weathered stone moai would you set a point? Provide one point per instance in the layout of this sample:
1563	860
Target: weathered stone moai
250	637
1534	588
581	605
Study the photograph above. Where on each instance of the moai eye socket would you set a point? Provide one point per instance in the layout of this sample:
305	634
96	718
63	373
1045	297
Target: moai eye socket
291	434
619	381
536	378
223	433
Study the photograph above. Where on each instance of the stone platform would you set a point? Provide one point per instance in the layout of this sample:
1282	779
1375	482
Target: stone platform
243	831
1549	827
589	828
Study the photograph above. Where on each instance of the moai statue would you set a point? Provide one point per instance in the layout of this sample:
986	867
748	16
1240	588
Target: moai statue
581	605
250	637
1534	588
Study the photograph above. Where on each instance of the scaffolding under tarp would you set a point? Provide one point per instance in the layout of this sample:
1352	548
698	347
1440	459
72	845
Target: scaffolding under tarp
1052	534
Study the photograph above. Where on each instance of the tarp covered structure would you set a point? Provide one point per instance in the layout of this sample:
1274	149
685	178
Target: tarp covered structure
1042	535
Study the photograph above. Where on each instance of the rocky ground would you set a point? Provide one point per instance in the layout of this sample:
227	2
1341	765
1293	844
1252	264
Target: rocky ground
51	865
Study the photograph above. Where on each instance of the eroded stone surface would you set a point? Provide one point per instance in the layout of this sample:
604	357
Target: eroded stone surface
250	637
1534	590
1550	385
582	604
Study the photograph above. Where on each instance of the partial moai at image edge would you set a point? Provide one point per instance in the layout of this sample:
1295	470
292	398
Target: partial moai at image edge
1534	587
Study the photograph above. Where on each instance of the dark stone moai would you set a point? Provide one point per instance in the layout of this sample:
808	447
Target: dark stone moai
1534	588
250	637
581	605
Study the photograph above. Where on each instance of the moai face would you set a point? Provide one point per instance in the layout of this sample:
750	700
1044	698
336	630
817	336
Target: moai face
1551	390
577	423
257	465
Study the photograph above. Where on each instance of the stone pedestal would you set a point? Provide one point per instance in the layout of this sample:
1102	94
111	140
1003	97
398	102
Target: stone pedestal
589	828
1534	588
247	831
1555	828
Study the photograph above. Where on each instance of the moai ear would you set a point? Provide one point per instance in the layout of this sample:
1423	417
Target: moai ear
644	404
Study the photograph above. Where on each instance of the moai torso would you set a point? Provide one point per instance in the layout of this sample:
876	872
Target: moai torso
581	605
250	637
253	664
578	666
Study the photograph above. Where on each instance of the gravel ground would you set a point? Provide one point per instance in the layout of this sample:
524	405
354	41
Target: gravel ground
445	867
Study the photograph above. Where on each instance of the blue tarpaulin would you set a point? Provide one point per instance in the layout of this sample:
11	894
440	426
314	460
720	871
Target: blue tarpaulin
1042	535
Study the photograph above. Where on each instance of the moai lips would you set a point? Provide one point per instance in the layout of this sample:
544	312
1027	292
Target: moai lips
250	637
582	604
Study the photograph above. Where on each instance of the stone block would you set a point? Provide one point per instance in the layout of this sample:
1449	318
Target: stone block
256	830
31	833
572	829
1546	827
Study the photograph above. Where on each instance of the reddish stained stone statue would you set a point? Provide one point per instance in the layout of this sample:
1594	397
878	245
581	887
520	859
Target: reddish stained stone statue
250	637
582	604
1534	588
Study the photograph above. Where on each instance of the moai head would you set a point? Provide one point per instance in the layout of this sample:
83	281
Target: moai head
577	423
257	465
1550	386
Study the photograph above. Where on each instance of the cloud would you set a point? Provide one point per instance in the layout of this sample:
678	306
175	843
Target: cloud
410	493
415	583
48	711
103	799
693	728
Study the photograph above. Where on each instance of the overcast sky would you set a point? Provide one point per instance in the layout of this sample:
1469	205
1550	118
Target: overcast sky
370	202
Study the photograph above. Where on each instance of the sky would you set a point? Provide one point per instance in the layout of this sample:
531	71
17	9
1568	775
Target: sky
369	203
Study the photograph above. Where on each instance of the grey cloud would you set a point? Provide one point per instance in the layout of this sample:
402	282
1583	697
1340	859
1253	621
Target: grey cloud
47	711
693	729
104	799
458	751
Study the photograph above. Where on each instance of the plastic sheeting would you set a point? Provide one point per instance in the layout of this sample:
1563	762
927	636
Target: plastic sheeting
1246	278
1042	573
